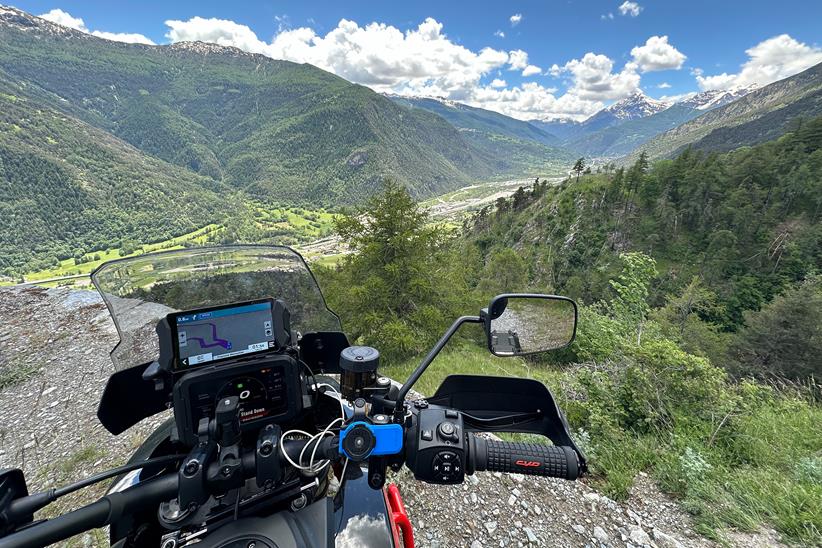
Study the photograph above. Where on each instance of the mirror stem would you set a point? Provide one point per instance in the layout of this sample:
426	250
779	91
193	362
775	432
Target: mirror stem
398	409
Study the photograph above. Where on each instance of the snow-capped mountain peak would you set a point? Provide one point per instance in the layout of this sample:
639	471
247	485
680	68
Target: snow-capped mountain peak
713	98
636	105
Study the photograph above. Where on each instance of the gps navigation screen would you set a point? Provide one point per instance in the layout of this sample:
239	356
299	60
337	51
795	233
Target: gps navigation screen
217	334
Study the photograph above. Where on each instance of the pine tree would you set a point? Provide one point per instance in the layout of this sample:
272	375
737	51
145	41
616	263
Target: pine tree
579	167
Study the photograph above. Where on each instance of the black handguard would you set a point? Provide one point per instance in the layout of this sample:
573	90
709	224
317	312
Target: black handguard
522	458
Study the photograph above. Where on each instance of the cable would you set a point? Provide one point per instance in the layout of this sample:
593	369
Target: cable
335	391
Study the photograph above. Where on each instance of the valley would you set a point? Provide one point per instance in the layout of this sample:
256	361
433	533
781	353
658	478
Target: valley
686	227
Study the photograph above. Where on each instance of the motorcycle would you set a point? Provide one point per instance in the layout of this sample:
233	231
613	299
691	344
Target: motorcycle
281	433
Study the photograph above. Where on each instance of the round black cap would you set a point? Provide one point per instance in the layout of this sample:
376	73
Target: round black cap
359	359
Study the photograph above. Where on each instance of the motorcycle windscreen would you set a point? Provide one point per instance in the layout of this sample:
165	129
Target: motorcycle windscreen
140	291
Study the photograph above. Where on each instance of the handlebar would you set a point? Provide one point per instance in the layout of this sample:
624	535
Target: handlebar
522	458
144	495
481	455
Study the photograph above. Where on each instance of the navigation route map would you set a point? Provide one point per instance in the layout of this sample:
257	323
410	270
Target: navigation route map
218	334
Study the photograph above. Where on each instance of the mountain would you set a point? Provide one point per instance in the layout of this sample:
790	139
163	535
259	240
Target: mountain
745	223
273	128
137	142
758	116
625	137
714	98
66	185
633	107
477	119
575	135
561	128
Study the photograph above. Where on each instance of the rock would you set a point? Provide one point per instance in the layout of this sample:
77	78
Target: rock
491	526
578	528
473	479
512	500
601	535
591	497
532	538
665	540
639	536
476	544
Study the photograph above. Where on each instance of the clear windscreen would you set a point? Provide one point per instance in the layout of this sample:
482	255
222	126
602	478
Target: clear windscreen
140	291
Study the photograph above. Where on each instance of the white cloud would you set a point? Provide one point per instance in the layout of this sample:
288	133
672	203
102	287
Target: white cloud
499	34
130	37
630	8
61	17
498	83
664	85
518	60
607	16
515	19
657	54
594	80
770	60
216	31
531	70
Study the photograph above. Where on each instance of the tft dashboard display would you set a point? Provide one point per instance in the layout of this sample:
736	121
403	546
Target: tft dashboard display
218	333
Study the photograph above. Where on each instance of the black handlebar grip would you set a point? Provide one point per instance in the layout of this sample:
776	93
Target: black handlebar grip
523	458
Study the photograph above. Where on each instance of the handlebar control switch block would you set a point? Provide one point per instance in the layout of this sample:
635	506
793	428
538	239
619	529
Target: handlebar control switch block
439	440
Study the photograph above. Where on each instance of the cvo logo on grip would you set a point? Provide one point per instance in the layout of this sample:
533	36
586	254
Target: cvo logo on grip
527	463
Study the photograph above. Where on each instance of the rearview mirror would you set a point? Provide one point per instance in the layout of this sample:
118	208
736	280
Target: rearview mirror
521	324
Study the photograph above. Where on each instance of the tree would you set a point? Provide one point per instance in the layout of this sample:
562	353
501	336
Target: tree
631	286
579	167
783	339
400	286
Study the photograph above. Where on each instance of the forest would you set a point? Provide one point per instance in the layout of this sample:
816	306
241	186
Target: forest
698	279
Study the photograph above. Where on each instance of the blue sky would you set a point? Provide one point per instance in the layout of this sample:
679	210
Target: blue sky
556	58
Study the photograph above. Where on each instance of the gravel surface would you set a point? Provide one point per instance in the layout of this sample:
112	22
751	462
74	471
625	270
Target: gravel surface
54	363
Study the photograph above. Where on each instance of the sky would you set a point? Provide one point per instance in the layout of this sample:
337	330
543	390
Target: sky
545	59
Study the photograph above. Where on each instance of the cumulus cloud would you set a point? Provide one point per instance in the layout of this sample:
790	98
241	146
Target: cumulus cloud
657	54
64	18
499	83
61	17
499	34
770	60
664	85
594	79
607	16
518	60
531	70
630	8
515	19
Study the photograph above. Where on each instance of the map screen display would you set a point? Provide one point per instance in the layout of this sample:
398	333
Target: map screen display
217	334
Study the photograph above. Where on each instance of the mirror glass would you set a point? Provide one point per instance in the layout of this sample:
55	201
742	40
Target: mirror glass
528	324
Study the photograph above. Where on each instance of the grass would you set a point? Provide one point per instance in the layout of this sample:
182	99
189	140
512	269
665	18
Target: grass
466	358
763	466
69	268
85	455
13	374
304	225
